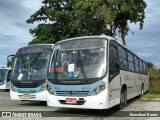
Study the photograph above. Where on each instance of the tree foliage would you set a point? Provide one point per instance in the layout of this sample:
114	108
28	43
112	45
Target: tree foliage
10	62
150	65
71	18
118	13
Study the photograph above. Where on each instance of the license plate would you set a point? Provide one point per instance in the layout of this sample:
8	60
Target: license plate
26	96
71	100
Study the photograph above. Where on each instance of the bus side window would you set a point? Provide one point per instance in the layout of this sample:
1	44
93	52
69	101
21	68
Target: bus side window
122	58
113	62
9	76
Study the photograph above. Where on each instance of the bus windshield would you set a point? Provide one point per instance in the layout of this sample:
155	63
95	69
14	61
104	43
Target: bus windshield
79	59
31	66
3	73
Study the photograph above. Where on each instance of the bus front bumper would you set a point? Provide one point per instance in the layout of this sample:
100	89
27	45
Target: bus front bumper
39	96
89	102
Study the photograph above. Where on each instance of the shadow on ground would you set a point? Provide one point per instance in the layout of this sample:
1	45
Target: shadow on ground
70	112
4	90
33	103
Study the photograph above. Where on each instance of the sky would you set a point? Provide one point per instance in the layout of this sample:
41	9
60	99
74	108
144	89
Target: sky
14	31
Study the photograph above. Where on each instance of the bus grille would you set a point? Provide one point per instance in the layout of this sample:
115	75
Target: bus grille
23	91
72	93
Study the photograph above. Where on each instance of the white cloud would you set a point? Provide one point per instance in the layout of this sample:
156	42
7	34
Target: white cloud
146	42
14	31
32	4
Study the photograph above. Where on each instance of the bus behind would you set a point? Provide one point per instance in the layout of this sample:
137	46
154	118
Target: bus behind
5	78
29	73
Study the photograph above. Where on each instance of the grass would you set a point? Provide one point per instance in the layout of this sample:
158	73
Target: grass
150	97
154	90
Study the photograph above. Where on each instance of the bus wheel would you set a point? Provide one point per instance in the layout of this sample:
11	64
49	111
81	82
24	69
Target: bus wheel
123	100
142	91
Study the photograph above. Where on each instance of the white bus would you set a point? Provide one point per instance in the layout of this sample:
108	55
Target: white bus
28	80
5	77
94	72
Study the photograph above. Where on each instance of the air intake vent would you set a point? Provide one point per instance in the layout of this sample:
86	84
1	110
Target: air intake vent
72	93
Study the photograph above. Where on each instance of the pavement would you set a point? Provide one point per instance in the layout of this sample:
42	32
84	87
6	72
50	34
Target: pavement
136	110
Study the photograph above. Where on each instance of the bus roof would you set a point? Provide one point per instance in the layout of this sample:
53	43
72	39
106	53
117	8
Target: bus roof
4	68
36	45
40	44
96	36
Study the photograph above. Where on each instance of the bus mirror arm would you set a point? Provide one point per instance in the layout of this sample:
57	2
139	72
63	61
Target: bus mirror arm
117	66
9	60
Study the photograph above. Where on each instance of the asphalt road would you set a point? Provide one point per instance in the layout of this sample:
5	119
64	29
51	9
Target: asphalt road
134	109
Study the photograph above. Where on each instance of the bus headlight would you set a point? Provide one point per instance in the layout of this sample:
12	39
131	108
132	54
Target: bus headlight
43	87
99	89
12	87
50	90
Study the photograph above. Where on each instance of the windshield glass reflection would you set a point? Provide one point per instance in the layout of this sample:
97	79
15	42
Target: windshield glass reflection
31	66
79	59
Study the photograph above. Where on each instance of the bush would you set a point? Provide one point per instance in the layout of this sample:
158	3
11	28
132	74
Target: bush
154	90
154	81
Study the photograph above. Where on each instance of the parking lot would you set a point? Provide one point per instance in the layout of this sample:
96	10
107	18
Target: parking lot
41	110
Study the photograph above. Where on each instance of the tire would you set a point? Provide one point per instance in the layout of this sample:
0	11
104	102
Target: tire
6	90
142	91
43	102
123	100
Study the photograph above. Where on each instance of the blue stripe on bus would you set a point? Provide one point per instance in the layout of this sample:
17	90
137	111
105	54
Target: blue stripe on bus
27	90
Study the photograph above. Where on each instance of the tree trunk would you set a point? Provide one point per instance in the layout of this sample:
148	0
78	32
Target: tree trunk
123	38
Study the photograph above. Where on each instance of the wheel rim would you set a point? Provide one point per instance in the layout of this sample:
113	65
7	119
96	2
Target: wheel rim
142	91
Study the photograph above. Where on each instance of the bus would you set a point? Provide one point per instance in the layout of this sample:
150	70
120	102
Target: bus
5	78
94	72
28	81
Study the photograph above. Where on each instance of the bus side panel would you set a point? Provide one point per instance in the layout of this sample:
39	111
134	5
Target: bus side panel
133	81
114	91
134	89
146	82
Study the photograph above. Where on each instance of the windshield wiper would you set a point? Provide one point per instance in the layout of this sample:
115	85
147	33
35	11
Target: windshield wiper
38	55
55	60
80	63
35	59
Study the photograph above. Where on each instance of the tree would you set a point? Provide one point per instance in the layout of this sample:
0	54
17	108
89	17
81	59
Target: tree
59	13
118	13
67	18
72	18
150	65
